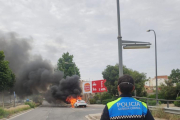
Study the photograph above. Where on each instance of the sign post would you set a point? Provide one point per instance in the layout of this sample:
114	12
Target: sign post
14	99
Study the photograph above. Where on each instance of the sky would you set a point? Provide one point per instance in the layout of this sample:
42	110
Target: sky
87	29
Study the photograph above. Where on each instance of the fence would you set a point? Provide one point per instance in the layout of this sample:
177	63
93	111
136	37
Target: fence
8	100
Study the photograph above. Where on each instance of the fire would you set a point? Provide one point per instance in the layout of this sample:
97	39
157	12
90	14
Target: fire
73	100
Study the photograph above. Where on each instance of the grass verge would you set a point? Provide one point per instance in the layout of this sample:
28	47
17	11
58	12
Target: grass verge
31	104
159	113
8	112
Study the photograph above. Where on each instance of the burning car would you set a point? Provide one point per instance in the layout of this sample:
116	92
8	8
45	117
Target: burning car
80	103
76	102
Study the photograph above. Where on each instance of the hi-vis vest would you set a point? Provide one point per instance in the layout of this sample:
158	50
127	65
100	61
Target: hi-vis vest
126	107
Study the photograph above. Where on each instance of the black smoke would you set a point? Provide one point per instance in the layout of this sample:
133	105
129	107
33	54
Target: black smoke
16	49
35	75
66	87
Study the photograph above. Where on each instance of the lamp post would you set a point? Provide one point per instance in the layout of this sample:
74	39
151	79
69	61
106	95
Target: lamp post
119	41
126	43
155	65
74	66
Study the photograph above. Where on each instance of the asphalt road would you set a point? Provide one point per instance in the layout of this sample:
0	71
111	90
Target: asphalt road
53	112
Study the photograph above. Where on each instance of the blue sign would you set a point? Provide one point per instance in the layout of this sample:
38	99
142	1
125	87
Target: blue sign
14	94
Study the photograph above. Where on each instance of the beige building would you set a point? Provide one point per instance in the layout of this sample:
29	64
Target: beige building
152	82
150	85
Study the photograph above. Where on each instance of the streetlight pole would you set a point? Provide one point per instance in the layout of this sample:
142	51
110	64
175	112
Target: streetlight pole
125	43
156	66
119	41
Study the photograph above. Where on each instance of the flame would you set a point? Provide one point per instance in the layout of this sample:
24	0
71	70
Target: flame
73	100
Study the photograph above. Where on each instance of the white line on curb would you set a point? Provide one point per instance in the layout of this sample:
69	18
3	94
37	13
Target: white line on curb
87	116
19	114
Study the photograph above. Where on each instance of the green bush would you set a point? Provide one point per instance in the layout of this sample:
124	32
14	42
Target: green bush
97	96
152	96
98	101
177	103
2	113
104	102
37	99
108	100
150	102
160	96
31	104
92	101
153	102
142	100
105	96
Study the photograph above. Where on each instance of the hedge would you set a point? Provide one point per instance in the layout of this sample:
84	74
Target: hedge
108	100
177	103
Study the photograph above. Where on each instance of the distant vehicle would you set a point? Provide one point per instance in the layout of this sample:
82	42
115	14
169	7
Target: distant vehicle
80	103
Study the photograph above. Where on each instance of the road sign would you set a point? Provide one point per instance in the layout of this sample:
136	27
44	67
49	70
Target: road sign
87	87
98	86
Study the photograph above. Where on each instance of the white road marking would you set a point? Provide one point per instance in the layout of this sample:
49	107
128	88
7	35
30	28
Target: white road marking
19	114
48	114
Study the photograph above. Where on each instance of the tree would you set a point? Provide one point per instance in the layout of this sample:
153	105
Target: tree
66	64
111	74
7	78
175	76
167	90
178	89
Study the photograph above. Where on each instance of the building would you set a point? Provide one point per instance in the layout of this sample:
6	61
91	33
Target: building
150	85
149	89
160	79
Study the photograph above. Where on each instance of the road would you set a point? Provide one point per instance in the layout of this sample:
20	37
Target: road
52	112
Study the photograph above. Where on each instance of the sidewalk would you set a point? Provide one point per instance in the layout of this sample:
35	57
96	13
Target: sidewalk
98	116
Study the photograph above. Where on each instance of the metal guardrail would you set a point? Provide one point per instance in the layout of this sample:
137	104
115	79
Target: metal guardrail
167	110
172	111
157	100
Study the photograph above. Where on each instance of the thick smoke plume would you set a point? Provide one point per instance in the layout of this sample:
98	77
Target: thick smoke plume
67	87
33	74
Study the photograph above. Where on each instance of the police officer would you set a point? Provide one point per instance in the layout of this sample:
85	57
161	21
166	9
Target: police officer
126	107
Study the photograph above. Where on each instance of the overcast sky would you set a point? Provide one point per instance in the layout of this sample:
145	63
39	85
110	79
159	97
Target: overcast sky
88	30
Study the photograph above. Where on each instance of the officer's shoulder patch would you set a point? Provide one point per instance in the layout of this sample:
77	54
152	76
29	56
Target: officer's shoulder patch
110	104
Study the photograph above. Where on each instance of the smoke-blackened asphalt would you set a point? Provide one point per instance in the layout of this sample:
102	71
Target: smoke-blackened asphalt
50	112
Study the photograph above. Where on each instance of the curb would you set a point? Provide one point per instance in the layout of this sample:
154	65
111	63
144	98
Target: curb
92	116
160	119
16	114
87	116
3	119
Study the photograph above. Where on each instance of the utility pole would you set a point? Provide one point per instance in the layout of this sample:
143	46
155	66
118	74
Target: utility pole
119	41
